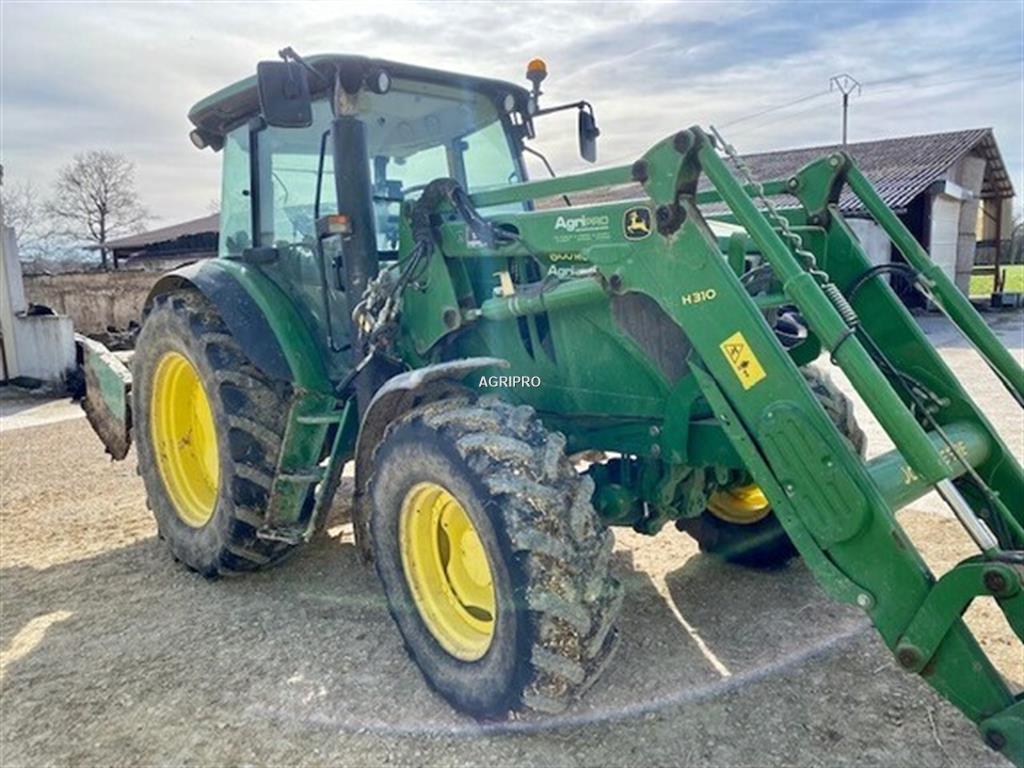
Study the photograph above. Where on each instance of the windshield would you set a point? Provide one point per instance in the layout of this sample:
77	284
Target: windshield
416	133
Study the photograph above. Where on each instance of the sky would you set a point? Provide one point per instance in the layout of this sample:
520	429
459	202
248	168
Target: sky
122	76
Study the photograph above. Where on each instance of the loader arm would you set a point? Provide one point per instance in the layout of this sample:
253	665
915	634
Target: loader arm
838	510
817	485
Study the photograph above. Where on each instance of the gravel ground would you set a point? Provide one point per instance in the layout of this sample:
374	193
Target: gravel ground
112	654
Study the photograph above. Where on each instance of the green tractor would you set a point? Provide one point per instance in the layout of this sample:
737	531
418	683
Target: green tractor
512	374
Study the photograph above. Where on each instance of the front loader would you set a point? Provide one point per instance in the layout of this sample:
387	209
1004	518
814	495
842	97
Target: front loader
392	291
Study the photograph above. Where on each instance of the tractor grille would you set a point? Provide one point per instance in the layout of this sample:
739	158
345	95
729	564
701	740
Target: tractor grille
640	318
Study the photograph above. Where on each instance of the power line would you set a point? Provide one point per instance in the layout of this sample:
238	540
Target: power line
894	84
881	81
773	109
774	120
939	71
998	78
874	93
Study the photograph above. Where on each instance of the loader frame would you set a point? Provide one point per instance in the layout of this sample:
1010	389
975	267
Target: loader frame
838	510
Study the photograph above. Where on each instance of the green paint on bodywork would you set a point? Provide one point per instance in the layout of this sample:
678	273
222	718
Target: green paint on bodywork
314	412
430	308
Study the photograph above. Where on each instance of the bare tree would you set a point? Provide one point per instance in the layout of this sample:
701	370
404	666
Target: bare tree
24	213
95	199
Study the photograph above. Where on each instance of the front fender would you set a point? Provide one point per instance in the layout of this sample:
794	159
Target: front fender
399	394
260	316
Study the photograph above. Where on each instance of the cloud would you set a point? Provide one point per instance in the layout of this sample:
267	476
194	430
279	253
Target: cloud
123	75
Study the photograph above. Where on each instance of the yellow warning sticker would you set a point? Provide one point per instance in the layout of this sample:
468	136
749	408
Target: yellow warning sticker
744	362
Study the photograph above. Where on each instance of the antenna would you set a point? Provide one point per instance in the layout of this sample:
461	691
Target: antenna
845	84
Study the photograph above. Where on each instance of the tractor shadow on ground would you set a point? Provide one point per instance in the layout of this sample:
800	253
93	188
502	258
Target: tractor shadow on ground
701	625
104	650
750	618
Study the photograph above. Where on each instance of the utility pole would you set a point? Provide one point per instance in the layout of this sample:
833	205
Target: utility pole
845	84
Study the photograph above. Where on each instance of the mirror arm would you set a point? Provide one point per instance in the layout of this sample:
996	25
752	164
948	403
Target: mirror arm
289	53
562	107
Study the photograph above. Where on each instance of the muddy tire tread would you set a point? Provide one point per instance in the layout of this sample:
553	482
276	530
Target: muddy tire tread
564	549
254	407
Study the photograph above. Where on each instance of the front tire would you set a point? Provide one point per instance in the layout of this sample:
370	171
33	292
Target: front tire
529	580
208	427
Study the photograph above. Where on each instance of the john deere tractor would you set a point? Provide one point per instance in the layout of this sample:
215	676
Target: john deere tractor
511	374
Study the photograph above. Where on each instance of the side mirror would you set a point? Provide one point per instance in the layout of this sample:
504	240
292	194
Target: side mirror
588	133
284	94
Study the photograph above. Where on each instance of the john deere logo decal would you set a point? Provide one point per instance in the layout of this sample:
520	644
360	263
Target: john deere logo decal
636	223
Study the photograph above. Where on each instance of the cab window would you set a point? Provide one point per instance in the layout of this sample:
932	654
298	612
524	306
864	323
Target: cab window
416	133
235	207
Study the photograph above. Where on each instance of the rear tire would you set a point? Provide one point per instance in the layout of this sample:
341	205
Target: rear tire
764	543
548	555
248	417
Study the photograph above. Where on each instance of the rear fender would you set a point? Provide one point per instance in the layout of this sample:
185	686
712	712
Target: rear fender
260	316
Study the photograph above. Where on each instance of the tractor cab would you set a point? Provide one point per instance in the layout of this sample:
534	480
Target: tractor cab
418	125
334	145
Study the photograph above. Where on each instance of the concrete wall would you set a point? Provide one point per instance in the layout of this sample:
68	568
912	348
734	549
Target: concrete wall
970	173
93	300
43	348
876	244
40	347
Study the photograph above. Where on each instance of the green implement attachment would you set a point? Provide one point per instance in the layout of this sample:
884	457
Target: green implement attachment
108	383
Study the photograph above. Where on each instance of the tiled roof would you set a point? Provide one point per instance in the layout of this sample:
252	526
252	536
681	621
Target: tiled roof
201	226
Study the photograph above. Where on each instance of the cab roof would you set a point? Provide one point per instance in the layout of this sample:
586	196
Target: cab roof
231	106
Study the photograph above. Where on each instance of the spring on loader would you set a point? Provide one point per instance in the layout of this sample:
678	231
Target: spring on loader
843	307
793	239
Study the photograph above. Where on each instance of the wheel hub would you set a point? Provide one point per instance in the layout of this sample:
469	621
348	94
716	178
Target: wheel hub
744	505
184	439
447	571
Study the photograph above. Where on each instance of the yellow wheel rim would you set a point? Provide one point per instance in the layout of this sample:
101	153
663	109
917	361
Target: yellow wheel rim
184	439
447	571
744	505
